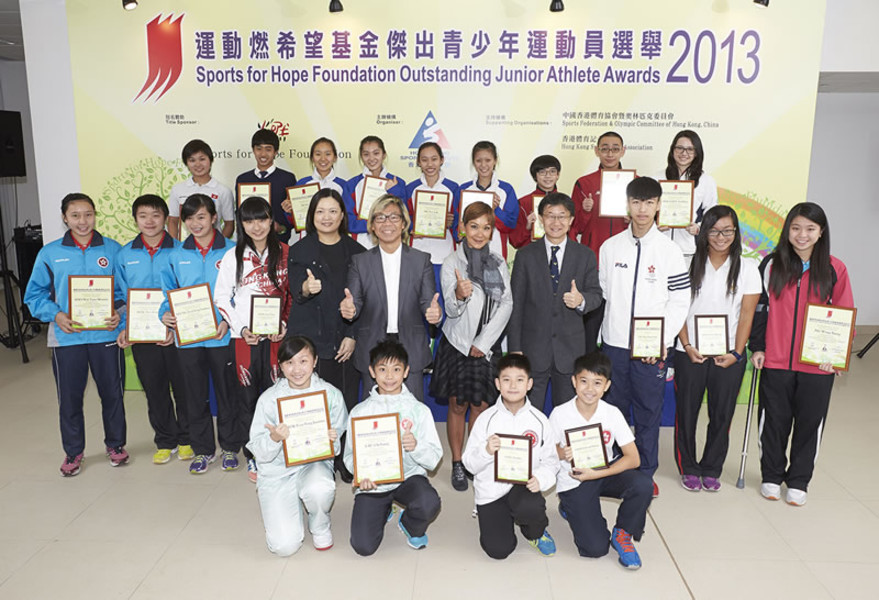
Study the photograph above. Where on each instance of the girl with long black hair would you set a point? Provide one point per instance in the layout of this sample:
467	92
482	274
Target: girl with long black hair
723	283
793	395
256	266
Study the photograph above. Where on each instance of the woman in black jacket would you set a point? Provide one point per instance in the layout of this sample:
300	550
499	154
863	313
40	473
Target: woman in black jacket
318	270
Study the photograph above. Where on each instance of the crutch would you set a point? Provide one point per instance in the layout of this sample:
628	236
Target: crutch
741	481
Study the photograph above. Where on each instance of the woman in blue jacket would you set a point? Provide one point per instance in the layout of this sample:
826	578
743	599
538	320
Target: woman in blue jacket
82	251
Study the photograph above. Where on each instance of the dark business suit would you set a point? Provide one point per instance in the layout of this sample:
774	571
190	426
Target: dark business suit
549	333
366	281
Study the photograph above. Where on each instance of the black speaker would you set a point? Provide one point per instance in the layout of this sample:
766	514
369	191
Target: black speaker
11	145
28	241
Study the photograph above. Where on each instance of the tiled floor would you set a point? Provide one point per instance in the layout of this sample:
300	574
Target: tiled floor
144	531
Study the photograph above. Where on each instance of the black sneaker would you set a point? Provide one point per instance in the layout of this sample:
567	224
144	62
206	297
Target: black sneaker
344	474
459	477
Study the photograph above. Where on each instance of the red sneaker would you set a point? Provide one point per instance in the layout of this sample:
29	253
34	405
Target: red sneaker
71	465
118	455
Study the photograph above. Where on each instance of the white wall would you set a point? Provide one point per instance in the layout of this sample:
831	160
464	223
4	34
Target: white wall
849	35
845	152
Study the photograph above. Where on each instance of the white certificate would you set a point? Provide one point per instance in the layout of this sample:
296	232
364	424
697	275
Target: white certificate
265	315
646	339
614	202
538	230
142	322
712	334
676	209
587	446
468	197
260	190
91	300
512	461
378	451
308	418
300	199
373	189
431	209
827	335
193	309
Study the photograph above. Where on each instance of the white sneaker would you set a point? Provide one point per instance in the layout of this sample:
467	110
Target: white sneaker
771	491
322	542
795	497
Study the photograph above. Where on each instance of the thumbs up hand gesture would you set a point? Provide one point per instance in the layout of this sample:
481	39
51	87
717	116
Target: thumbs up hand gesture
434	314
311	285
408	440
574	298
346	306
464	287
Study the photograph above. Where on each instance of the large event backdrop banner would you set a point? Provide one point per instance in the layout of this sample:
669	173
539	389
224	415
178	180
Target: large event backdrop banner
455	72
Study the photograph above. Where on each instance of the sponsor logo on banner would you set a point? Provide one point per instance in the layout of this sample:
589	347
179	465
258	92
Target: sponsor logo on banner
281	128
164	57
430	131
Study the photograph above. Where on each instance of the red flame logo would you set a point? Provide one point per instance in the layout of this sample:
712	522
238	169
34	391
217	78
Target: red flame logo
165	56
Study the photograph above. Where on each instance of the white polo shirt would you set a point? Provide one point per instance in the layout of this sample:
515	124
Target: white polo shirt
216	191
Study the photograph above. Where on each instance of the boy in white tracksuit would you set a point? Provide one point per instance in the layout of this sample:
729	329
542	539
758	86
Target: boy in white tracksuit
502	505
279	487
421	449
642	273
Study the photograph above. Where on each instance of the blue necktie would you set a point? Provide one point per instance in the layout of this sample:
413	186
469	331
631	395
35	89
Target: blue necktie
554	268
263	174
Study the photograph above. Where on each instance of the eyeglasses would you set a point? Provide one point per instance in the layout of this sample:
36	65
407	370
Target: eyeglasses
685	149
548	172
393	218
556	218
610	149
727	233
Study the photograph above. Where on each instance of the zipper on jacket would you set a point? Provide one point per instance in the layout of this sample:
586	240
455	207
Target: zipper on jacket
634	285
793	337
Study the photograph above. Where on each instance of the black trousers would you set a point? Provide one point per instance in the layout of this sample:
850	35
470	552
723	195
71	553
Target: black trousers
341	375
258	381
691	381
519	506
798	401
158	368
562	388
198	364
370	513
592	323
582	504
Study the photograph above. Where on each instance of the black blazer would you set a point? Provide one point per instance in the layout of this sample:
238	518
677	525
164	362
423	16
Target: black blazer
318	316
366	281
541	326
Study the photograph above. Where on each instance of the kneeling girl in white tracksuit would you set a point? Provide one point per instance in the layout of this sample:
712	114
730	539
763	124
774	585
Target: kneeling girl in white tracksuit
281	488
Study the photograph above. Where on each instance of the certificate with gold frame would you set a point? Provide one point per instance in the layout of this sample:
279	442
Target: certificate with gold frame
373	189
711	335
512	461
431	209
90	299
614	201
194	312
468	197
676	209
587	446
308	418
300	199
827	335
647	337
537	230
377	448
265	315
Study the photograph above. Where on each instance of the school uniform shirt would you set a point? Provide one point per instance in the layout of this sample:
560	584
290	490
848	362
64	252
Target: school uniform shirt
47	289
187	267
592	229
644	277
223	198
269	454
438	249
506	214
356	225
615	429
704	197
527	421
428	450
712	298
280	181
778	322
232	297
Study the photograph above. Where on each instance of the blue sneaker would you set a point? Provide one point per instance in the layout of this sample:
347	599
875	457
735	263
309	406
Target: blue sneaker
417	542
621	540
544	544
563	513
230	461
391	512
200	464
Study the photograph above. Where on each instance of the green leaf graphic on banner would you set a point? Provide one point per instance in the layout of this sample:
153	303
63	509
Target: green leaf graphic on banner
147	176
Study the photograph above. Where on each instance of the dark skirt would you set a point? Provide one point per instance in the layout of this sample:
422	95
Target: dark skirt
469	380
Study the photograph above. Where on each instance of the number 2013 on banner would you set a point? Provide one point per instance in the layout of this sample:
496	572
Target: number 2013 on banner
707	58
